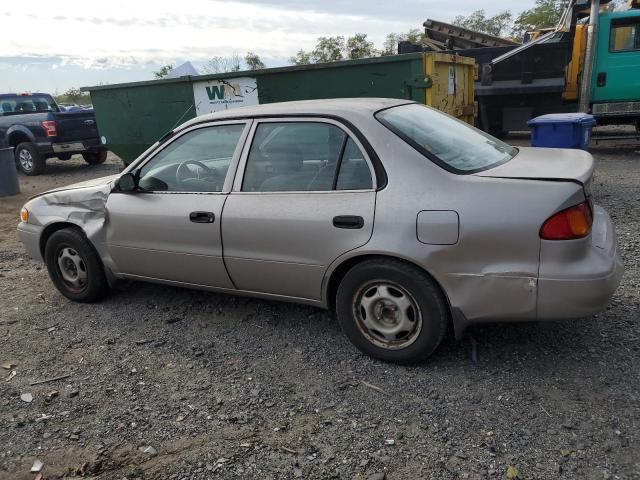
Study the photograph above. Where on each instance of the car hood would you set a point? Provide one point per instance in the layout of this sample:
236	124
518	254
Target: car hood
96	182
545	164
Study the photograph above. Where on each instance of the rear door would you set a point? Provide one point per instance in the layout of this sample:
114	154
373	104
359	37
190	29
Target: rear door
171	229
304	195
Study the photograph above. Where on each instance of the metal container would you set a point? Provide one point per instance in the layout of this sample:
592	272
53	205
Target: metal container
8	176
132	116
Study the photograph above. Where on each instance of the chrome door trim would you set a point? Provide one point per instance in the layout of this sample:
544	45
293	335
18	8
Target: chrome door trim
237	182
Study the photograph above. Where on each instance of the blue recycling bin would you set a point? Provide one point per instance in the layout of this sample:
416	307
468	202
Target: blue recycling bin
562	130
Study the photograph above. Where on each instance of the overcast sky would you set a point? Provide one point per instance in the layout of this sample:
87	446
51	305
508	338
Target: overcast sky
52	46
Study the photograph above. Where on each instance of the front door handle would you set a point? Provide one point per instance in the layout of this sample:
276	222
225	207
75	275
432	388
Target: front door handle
348	221
202	217
601	79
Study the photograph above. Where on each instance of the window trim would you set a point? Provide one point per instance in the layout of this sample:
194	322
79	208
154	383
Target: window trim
623	22
135	167
241	168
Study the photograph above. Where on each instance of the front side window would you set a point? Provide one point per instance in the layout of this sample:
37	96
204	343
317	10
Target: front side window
625	36
304	156
451	143
196	162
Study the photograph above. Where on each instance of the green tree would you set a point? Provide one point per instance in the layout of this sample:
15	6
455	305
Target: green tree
390	45
545	14
163	71
479	21
74	95
253	61
328	49
301	58
359	46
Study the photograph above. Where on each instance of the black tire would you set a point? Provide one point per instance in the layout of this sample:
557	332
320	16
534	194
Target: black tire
28	159
60	244
64	156
422	292
95	158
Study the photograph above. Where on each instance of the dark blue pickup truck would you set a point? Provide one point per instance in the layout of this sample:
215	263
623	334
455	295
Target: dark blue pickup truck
33	124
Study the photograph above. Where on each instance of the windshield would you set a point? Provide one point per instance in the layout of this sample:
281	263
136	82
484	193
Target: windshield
451	143
18	104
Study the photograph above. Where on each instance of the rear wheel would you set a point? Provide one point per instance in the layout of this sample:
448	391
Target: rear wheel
391	310
74	266
28	159
95	158
64	156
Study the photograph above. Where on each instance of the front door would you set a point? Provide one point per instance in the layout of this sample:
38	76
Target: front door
170	229
306	196
616	74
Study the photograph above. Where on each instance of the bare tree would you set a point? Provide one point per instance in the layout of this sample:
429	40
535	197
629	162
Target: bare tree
220	64
253	61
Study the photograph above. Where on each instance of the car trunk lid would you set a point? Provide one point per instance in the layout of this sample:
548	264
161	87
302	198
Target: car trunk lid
554	164
76	126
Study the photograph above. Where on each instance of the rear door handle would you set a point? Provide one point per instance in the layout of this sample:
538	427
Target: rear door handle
202	217
348	221
601	80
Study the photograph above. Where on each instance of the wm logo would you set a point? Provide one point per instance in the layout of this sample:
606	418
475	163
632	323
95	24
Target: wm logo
215	92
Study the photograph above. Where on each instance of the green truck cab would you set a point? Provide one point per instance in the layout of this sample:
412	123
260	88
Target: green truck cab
615	87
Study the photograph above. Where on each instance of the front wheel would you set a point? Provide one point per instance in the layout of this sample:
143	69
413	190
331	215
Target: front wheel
392	310
95	158
74	266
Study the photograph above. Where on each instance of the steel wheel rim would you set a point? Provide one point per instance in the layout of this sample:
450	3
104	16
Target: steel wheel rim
72	269
26	159
387	314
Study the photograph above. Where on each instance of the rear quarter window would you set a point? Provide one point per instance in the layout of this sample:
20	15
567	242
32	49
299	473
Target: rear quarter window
447	141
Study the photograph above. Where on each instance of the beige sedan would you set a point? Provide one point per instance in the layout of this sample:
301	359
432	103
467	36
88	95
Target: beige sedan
403	220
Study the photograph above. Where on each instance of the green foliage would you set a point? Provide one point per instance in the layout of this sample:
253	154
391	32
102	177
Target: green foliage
163	71
74	95
546	13
328	49
479	22
253	61
359	46
301	58
390	45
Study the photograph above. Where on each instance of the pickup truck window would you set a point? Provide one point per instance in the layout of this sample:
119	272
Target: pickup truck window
20	104
625	36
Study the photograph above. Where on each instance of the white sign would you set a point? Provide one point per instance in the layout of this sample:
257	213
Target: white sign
215	95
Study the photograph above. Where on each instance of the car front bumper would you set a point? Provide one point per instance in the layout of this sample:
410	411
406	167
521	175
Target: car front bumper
29	235
578	278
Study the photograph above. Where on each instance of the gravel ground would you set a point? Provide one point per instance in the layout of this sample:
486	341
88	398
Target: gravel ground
167	383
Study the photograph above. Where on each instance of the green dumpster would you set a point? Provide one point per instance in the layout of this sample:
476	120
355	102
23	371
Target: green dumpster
132	116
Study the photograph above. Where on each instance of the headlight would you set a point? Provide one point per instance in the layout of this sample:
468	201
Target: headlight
24	215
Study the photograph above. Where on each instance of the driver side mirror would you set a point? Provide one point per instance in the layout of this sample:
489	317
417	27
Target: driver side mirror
127	183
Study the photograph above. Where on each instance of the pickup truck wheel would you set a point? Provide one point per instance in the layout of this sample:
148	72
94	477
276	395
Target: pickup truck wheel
28	160
95	158
64	156
391	310
74	266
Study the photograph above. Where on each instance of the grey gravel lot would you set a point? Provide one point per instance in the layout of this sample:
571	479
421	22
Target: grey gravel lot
167	383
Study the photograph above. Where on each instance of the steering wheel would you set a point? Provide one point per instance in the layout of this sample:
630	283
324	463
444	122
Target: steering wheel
183	172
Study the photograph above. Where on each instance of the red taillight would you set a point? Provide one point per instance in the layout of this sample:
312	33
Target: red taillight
573	222
50	128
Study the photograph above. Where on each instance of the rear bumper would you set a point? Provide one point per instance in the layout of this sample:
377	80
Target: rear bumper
51	149
29	235
578	278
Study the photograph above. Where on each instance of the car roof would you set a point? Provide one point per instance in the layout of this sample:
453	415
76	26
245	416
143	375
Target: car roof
346	108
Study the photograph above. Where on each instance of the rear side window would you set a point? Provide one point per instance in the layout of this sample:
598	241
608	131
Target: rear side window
303	157
19	104
452	144
625	36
